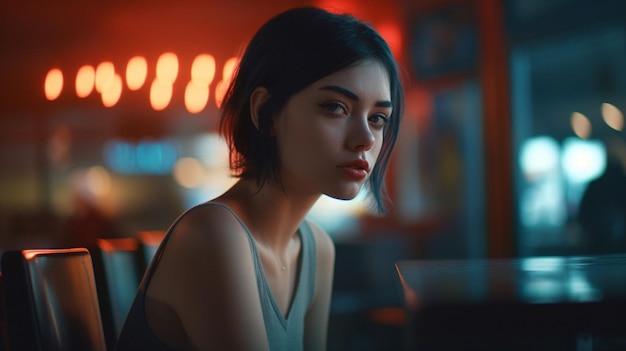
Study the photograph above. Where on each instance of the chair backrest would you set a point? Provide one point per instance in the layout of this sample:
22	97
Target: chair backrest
51	300
119	268
149	241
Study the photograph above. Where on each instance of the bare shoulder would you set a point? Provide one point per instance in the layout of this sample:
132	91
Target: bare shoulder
207	222
204	236
206	279
210	227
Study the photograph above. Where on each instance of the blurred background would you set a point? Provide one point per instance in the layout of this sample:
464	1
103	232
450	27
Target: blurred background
512	143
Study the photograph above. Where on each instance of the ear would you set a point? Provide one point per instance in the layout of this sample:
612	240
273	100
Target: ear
258	98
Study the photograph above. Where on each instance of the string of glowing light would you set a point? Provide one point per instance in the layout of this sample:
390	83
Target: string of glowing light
108	81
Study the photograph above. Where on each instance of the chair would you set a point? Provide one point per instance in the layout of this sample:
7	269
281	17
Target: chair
51	300
118	266
4	345
149	242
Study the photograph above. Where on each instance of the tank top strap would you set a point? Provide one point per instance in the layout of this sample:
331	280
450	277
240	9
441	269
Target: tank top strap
308	272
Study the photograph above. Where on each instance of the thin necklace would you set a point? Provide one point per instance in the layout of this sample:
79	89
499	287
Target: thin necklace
282	265
280	262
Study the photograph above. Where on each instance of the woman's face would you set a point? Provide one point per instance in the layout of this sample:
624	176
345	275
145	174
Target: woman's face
329	135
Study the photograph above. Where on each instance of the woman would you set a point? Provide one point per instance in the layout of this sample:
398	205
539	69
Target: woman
314	109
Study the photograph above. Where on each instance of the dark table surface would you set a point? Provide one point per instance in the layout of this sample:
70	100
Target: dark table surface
536	303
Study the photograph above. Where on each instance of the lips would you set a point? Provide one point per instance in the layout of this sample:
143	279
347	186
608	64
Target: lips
356	164
355	169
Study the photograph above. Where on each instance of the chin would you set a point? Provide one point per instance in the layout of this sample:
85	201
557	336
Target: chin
344	195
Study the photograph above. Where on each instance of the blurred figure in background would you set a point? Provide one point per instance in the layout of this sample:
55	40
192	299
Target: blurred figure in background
602	210
88	221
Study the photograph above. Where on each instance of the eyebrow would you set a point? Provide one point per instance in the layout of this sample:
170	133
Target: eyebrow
352	96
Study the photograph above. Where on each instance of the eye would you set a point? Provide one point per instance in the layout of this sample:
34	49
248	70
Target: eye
379	120
335	107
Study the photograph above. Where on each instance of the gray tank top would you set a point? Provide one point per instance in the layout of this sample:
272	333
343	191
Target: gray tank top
283	333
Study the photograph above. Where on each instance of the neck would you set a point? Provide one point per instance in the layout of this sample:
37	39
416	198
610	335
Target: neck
272	215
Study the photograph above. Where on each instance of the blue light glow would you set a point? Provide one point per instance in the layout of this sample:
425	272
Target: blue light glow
145	157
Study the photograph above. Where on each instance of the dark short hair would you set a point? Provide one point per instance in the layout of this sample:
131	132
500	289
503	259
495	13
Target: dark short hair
290	52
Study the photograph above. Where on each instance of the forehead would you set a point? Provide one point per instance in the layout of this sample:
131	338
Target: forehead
368	80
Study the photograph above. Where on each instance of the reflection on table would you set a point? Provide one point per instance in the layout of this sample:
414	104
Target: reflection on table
538	303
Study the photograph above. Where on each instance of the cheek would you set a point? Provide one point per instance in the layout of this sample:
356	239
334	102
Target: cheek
315	134
298	141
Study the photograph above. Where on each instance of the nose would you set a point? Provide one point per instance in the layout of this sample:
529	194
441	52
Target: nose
360	134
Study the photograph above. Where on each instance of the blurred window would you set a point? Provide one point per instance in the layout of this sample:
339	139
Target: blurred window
564	83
